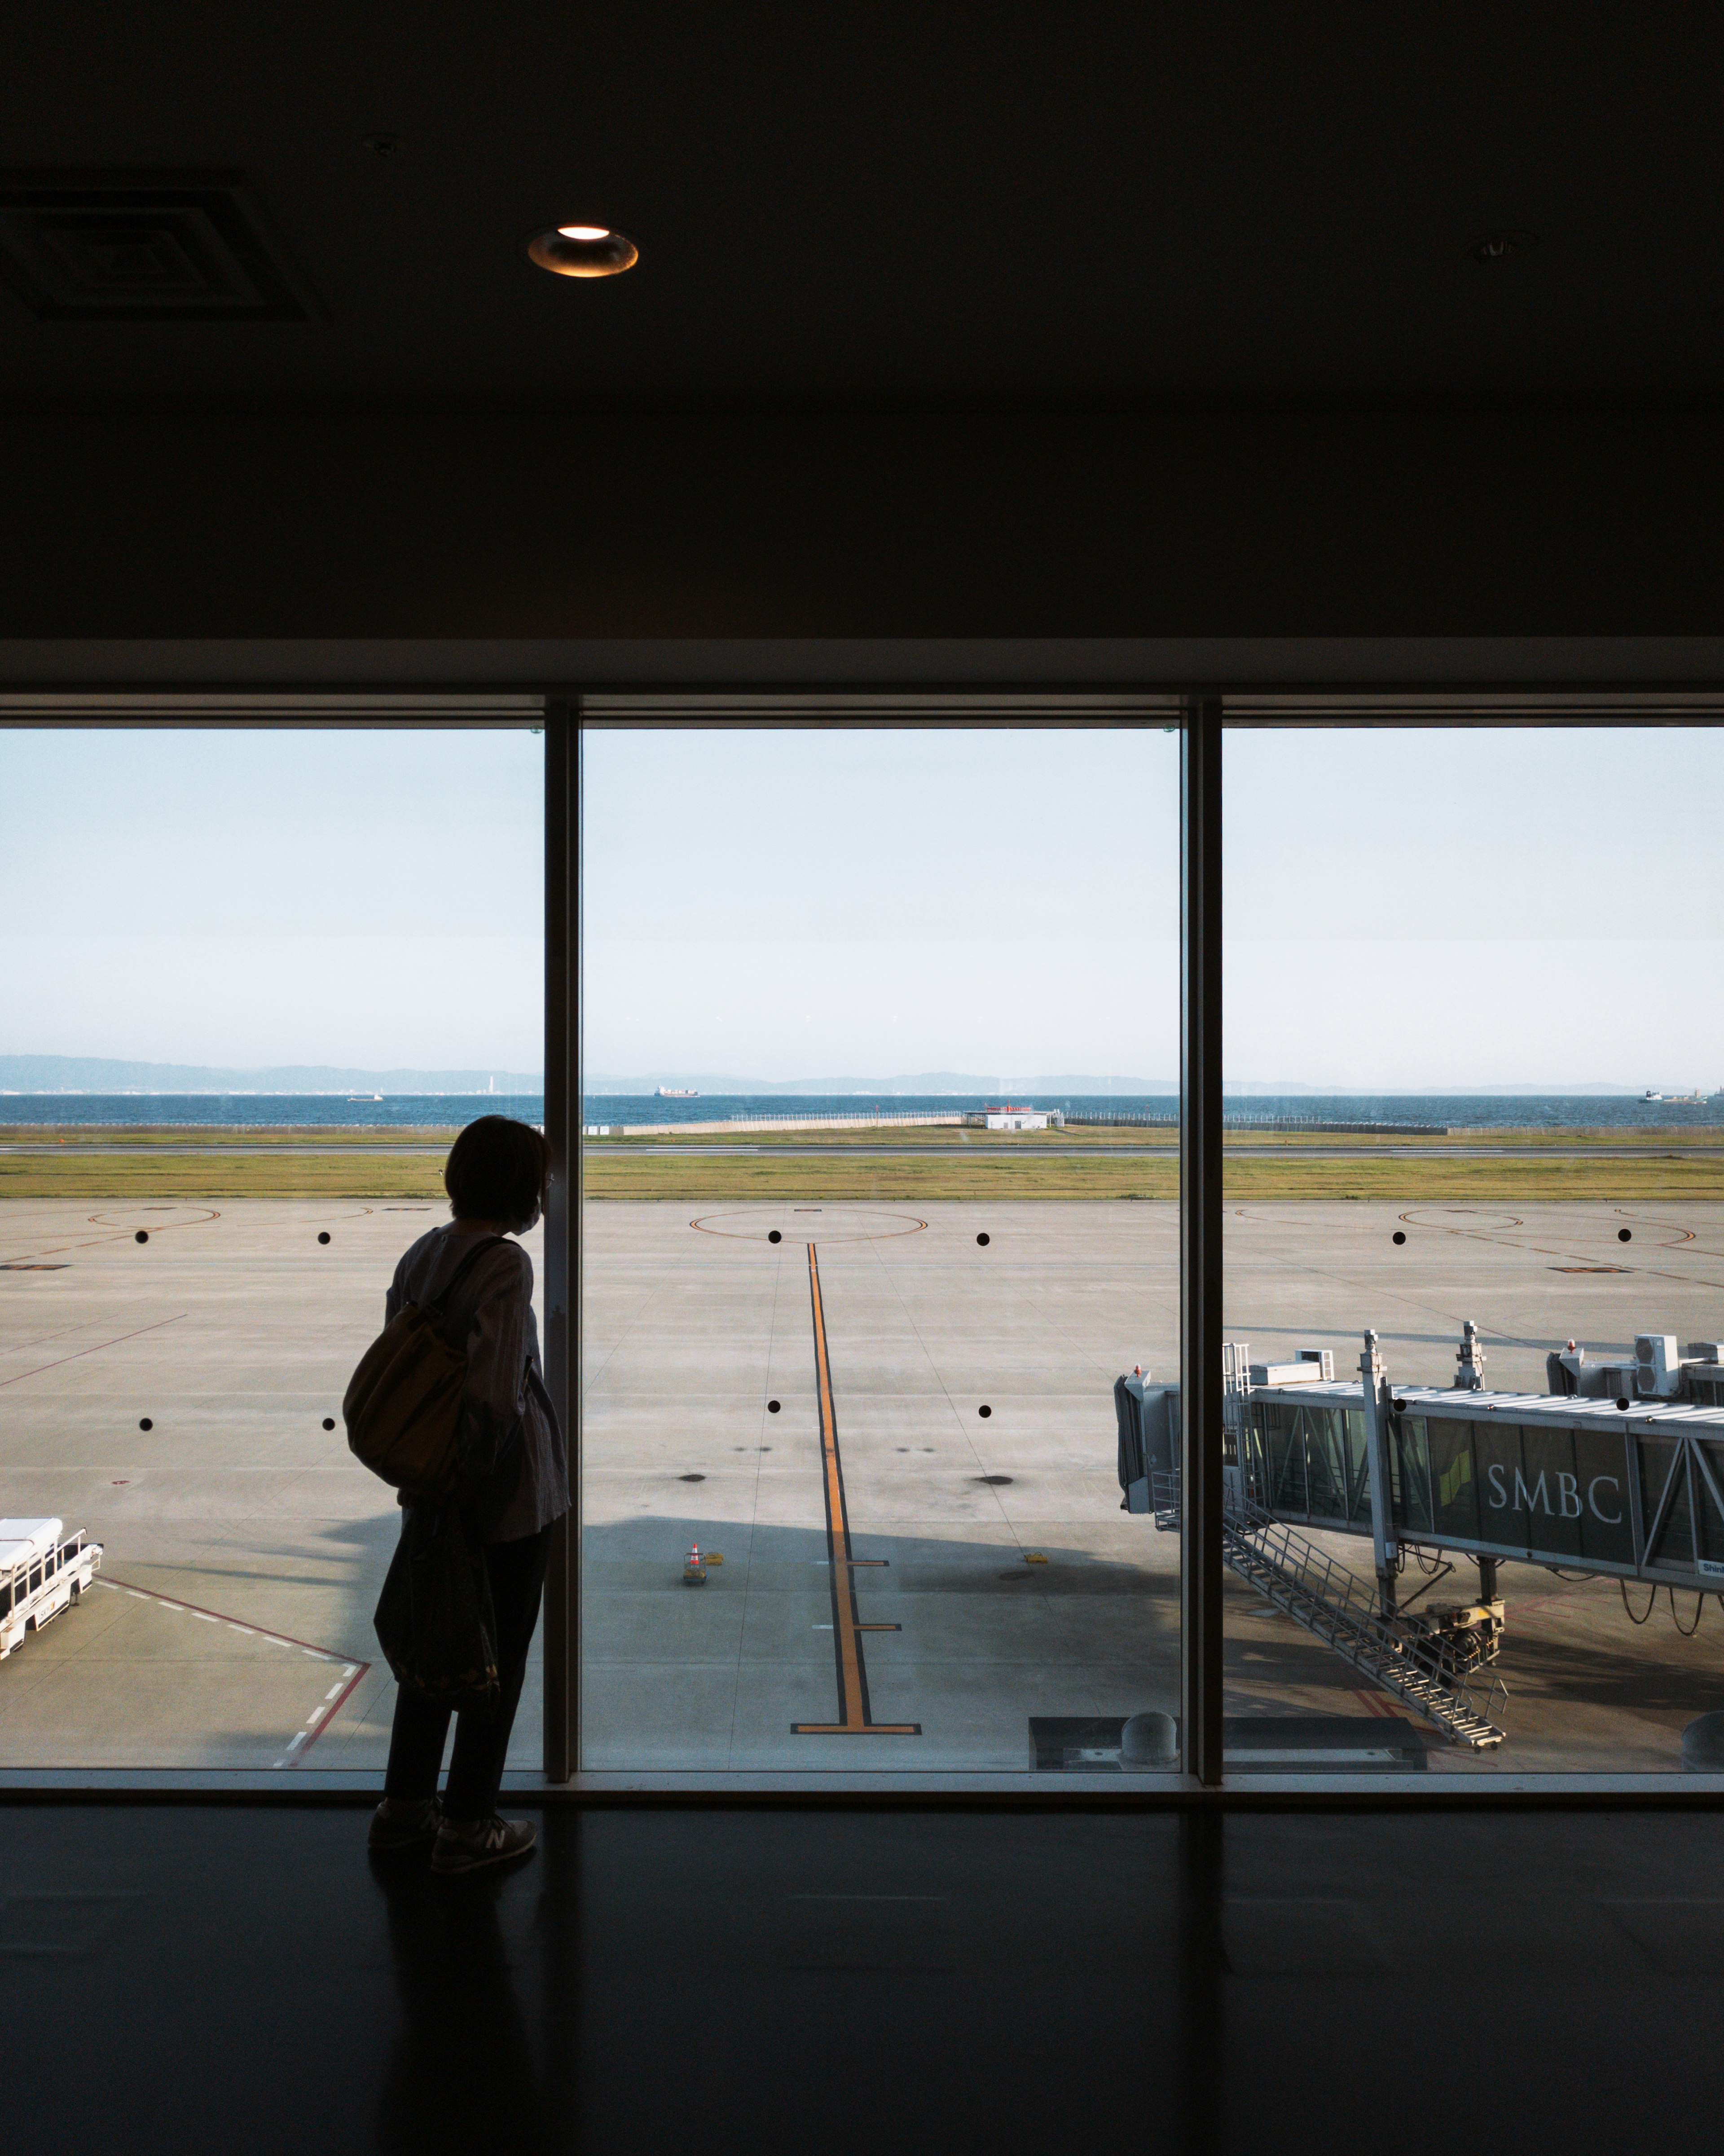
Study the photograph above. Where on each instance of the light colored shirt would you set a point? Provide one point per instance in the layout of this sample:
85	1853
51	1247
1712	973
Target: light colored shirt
505	1379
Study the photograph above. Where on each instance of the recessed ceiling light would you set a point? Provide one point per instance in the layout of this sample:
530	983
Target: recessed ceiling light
1498	246
583	250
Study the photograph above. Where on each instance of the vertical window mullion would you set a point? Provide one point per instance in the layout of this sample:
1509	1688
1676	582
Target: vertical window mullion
563	1129
1200	1224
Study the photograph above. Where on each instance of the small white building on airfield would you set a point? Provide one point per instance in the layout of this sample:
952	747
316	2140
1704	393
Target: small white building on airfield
1008	1118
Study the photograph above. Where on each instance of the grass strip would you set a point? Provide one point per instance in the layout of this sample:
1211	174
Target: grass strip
759	1177
190	1175
1410	1182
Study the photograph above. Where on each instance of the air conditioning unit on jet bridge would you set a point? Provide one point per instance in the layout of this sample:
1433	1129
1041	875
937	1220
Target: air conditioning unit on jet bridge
1658	1366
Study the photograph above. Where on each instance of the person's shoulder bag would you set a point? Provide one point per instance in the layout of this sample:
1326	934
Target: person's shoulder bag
403	1408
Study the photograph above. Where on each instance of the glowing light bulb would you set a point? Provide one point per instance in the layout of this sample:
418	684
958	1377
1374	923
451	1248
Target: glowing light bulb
583	250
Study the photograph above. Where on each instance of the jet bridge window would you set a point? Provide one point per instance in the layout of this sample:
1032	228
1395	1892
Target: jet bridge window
1313	1462
1679	1502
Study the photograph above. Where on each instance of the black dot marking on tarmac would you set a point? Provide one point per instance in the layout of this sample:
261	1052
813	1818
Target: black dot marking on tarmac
984	1411
982	1240
145	1423
691	1478
994	1481
1398	1236
773	1236
771	1407
324	1236
329	1422
1624	1235
141	1236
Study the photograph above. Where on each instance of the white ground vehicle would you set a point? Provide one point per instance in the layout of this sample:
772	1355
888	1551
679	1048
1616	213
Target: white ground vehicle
42	1569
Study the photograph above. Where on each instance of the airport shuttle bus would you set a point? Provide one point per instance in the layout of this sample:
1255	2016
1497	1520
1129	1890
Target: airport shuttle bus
43	1570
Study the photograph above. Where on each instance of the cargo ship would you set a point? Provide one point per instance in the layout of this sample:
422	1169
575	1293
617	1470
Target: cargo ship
677	1093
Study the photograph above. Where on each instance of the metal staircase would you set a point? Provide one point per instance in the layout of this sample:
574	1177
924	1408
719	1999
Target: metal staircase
1338	1608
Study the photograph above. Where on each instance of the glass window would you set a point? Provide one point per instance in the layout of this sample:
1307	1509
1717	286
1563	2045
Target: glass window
879	1248
1473	1152
253	982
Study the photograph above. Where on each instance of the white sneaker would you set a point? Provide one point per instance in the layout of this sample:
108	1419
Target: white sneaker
466	1844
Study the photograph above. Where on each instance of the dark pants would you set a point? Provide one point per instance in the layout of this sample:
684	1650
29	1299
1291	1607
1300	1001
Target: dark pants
475	1767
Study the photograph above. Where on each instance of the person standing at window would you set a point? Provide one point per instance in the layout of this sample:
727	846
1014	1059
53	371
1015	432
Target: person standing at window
514	1488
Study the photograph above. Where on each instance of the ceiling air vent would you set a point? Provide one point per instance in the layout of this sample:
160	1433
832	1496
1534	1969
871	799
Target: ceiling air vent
165	247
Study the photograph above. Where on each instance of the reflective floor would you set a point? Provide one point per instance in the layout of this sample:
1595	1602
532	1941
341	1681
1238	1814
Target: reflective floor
189	1978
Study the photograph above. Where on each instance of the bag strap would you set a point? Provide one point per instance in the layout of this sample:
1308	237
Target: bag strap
441	1305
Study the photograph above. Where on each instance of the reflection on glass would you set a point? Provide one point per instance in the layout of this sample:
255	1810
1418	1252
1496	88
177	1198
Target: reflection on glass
253	982
881	1032
1475	1447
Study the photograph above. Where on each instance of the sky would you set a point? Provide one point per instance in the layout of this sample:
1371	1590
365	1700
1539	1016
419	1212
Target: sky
785	903
1405	909
369	897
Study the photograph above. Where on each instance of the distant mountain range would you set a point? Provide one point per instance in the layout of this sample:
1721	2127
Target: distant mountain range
969	1082
100	1074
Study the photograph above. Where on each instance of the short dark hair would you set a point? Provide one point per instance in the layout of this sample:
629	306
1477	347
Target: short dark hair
496	1170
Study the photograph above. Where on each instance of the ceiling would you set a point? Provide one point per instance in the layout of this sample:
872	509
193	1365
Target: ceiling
1096	205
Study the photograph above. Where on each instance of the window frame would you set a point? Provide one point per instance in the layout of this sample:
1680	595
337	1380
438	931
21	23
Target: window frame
1202	714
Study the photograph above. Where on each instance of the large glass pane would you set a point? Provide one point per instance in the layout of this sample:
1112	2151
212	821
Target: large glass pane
1473	1272
253	983
880	1046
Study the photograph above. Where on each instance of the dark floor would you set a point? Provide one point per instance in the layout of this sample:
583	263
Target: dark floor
189	1979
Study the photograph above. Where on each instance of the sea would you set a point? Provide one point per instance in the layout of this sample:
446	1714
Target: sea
411	1111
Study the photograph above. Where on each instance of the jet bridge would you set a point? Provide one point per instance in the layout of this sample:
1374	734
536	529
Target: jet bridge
1619	1470
1633	1489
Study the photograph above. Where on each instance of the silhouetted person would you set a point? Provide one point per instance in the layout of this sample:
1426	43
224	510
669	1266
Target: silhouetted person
495	1179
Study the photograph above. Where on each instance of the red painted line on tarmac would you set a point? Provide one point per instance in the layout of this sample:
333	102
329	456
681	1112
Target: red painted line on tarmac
113	1235
19	1377
335	1707
221	1616
41	1340
360	1670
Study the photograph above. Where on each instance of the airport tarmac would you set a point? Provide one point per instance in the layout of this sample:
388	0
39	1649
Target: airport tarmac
245	1548
694	1325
